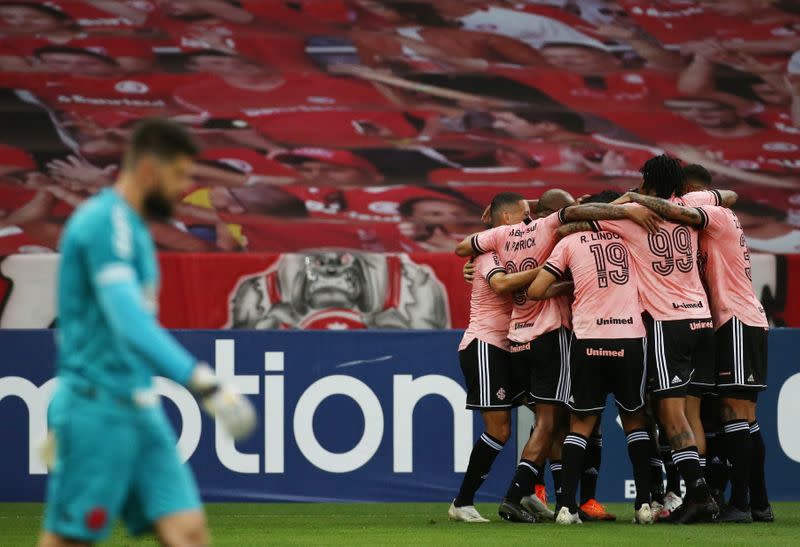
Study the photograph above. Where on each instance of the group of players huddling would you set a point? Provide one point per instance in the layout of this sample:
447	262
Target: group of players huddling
647	296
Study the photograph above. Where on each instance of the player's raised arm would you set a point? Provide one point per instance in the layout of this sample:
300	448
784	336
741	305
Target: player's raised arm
607	211
669	210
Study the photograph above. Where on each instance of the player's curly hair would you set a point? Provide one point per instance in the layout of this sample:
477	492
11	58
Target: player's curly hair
663	175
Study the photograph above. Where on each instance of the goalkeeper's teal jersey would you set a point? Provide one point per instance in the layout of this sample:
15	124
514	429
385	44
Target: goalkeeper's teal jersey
108	335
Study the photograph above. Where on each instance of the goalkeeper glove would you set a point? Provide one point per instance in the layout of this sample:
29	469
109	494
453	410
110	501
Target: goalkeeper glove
234	411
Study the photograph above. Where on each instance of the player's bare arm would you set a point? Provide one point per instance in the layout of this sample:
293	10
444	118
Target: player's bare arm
669	210
503	283
466	248
541	285
727	197
560	288
574	228
607	211
469	271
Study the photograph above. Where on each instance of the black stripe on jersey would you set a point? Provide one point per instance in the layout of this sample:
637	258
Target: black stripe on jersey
493	272
718	196
703	215
594	225
553	270
476	248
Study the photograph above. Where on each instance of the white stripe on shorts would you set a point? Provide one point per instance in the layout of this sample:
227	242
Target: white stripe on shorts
660	355
483	373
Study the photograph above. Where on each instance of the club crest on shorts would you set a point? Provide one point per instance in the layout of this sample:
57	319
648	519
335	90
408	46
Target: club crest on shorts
97	518
501	394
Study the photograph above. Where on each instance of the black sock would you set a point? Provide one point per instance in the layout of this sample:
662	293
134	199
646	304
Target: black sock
639	453
522	483
483	455
673	475
738	443
716	458
656	479
591	468
538	480
572	457
556	467
758	482
688	462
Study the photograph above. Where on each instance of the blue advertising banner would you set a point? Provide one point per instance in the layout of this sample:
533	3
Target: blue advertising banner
345	416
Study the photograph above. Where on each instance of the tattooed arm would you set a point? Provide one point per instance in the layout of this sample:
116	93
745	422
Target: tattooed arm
671	211
574	227
607	211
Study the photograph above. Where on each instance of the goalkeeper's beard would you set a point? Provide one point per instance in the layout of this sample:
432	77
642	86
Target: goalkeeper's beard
157	207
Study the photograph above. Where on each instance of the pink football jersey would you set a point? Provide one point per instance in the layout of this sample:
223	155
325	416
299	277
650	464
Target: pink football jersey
606	290
726	260
698	199
522	247
489	312
669	282
727	269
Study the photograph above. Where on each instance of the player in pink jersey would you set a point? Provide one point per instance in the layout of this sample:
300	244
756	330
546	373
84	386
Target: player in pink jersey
538	334
697	182
741	345
606	354
492	387
679	330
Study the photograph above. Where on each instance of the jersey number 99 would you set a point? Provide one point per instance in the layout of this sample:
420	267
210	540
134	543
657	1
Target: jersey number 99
674	248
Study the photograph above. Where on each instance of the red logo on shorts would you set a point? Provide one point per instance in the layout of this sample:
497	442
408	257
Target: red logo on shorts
96	518
501	394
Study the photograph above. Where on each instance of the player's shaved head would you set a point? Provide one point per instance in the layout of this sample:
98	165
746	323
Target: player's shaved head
508	208
553	200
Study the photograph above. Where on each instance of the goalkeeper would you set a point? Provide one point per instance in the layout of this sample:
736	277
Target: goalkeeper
114	450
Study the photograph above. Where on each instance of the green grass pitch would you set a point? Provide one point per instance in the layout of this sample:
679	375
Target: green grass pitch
238	524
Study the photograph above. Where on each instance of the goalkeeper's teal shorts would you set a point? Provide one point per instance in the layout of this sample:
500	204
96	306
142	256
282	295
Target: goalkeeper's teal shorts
113	459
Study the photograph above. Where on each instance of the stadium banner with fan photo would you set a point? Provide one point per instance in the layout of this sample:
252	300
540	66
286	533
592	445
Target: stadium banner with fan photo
358	416
330	289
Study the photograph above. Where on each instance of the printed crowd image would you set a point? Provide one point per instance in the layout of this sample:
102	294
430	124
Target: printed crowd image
398	258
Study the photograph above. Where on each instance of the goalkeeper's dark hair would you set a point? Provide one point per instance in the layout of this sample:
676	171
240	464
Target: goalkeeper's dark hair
663	176
606	196
697	172
159	138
